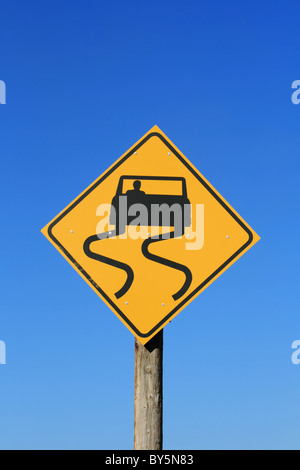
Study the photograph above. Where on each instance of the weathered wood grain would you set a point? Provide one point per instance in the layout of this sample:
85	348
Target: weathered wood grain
148	396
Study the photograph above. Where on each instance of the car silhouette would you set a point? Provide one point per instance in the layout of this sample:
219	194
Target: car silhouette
163	209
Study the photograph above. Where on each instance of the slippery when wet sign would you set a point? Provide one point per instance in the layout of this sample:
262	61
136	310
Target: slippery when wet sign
150	234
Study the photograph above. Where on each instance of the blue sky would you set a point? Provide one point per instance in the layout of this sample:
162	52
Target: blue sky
85	80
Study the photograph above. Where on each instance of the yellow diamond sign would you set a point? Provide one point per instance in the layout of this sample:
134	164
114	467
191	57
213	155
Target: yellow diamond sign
150	235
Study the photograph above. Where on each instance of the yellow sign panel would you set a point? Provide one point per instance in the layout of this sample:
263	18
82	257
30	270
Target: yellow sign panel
150	235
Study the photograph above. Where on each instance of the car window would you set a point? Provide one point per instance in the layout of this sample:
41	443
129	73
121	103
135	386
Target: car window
155	187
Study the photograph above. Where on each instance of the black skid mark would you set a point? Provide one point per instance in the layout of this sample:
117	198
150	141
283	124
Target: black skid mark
167	262
109	261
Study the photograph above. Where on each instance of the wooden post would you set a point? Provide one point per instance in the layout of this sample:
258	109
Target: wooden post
148	394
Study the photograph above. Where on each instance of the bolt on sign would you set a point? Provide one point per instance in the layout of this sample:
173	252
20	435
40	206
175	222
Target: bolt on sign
150	235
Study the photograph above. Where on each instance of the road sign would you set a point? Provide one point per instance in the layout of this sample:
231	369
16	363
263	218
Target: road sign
150	235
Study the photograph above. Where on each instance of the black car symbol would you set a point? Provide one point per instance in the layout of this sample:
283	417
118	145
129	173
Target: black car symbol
132	189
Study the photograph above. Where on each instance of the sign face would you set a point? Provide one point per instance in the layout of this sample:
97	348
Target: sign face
150	235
